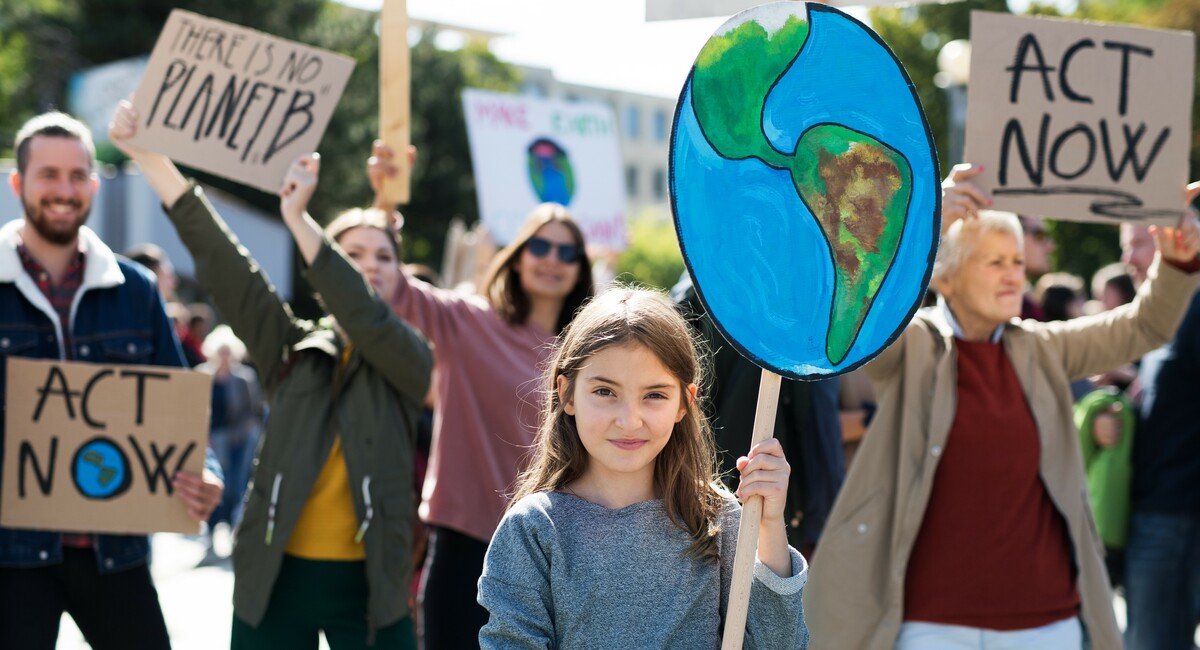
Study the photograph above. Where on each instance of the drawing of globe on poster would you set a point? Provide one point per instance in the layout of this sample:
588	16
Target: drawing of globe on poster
550	172
805	188
527	150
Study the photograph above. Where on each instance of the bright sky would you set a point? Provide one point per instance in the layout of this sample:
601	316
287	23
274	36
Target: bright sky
604	43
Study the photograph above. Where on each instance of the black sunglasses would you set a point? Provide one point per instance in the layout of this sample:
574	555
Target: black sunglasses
567	253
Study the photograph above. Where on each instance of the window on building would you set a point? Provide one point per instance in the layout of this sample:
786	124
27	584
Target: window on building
633	118
631	181
660	125
660	184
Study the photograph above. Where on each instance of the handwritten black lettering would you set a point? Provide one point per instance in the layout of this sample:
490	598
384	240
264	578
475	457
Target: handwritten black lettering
1068	91
1126	49
142	376
159	458
87	392
276	91
1116	171
47	390
302	102
1061	141
1026	46
175	72
28	457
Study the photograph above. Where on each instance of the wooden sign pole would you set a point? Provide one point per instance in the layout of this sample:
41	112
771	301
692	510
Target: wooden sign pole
395	73
747	544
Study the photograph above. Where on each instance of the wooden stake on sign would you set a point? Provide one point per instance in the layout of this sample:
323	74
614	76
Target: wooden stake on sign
747	544
394	77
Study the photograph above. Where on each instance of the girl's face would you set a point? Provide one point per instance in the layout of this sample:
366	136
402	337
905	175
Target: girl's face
626	404
544	273
371	250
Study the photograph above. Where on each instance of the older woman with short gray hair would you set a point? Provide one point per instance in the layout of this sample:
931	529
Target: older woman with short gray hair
964	521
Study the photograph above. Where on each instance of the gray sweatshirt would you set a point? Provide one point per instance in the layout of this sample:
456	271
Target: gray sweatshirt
566	573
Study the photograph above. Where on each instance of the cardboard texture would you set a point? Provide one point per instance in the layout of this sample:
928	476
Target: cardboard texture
92	447
234	101
526	151
395	74
1080	121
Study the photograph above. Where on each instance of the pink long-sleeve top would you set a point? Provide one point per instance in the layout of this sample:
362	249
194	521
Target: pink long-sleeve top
488	386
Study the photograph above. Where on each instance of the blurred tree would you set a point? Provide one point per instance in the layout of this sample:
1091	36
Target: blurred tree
38	53
443	185
653	256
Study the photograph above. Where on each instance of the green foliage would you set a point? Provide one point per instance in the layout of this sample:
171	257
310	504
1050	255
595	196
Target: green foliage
653	257
729	99
37	56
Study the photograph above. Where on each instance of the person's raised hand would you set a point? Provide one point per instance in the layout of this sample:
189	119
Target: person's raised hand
122	127
961	198
381	166
1180	243
299	185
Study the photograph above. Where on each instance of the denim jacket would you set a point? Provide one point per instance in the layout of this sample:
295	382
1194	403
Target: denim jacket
117	317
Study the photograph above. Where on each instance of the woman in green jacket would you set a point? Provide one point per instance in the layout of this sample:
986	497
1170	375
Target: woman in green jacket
324	542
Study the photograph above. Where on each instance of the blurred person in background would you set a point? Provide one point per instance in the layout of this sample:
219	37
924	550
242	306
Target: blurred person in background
237	416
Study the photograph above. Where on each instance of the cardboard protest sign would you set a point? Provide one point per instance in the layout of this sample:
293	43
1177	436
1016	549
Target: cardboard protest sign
805	188
526	151
234	101
93	447
1077	120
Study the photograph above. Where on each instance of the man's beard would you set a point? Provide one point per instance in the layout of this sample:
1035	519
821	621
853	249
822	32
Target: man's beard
35	216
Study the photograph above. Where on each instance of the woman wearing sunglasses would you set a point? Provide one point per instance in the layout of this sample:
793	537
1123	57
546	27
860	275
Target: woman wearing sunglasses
488	351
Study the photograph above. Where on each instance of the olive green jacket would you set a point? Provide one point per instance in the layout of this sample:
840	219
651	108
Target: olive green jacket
374	408
855	594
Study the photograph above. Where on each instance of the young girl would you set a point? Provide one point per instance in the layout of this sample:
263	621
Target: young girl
490	350
323	546
619	535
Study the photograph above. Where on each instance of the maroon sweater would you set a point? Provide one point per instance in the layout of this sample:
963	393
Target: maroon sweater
993	552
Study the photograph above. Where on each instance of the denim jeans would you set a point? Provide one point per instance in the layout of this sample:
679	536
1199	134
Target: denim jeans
1162	581
1062	635
237	458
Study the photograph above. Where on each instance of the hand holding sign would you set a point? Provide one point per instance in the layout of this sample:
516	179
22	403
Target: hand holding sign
803	175
97	448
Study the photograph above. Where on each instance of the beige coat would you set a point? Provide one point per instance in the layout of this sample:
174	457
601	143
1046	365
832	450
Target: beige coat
854	598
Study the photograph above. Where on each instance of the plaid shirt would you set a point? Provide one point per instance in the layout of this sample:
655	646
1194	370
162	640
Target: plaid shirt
61	296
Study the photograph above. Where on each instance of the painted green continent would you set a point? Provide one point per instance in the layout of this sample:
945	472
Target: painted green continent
728	94
858	188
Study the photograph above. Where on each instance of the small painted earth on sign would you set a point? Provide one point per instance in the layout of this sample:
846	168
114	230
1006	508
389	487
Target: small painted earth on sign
107	474
550	172
100	469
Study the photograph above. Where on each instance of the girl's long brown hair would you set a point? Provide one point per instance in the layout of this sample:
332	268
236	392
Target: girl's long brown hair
685	470
502	284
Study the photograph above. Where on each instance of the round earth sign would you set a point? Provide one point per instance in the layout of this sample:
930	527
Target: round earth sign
805	188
